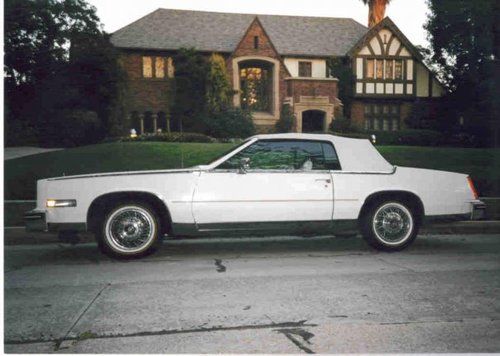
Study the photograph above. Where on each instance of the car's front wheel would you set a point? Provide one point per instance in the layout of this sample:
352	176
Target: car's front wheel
130	229
390	225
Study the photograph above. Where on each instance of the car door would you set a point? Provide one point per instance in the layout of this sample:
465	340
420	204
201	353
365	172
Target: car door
285	181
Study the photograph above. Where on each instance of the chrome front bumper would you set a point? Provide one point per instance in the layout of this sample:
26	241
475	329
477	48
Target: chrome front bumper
35	220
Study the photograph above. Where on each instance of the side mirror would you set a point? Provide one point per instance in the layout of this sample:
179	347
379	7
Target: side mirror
244	165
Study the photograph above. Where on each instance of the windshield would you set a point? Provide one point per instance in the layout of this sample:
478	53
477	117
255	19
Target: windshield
228	151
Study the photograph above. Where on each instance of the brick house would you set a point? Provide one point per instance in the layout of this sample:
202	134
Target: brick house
275	60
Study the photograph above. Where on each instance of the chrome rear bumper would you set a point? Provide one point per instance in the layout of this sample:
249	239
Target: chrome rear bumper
477	210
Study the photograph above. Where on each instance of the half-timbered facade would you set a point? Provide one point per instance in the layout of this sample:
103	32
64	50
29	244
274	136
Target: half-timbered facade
274	61
390	77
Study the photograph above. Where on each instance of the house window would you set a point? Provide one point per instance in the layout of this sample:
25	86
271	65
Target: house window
383	117
380	69
159	67
398	69
256	42
147	67
170	67
256	85
370	68
389	69
305	69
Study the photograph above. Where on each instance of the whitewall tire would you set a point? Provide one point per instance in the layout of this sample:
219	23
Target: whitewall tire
390	225
130	229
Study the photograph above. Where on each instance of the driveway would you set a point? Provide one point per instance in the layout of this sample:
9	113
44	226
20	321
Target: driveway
280	295
16	152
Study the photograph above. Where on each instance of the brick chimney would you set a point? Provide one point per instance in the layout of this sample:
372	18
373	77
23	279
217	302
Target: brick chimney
376	12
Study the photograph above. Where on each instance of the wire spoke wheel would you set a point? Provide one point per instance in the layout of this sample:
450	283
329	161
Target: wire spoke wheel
130	229
392	223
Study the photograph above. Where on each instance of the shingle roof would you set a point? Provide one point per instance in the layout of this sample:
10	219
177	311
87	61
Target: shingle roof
166	29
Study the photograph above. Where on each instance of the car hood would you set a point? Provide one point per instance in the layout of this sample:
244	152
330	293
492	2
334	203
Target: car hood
114	174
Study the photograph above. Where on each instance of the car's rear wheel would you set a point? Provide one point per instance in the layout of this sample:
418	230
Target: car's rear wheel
390	225
129	230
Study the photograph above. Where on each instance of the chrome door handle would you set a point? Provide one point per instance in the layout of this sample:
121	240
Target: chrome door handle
327	180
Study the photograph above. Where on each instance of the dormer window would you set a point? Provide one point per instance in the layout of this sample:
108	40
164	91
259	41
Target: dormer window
305	69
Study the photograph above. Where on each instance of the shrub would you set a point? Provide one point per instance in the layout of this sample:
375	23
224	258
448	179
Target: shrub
231	123
362	135
70	128
341	124
286	120
408	137
168	137
20	133
402	137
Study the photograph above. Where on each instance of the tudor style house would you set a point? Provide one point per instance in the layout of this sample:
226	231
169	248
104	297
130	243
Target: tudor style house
278	60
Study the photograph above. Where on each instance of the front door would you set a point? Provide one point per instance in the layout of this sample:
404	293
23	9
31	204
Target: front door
313	121
285	181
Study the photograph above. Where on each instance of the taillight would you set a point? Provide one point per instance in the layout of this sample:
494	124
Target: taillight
472	188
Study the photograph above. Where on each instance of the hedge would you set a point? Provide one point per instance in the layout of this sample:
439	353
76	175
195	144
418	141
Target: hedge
168	137
402	137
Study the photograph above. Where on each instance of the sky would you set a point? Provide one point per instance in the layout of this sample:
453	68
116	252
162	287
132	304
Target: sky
409	15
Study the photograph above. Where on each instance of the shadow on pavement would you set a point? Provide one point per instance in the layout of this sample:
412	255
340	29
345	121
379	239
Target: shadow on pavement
278	247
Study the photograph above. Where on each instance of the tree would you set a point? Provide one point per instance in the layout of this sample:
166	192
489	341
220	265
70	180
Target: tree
286	120
339	68
376	11
189	106
94	72
38	34
465	40
219	91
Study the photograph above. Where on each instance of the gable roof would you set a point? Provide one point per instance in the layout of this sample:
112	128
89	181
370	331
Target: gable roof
386	23
166	29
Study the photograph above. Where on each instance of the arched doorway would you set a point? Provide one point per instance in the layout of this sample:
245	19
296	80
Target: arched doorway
313	121
135	122
148	122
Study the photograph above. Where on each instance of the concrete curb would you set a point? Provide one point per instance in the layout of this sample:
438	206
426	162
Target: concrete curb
19	236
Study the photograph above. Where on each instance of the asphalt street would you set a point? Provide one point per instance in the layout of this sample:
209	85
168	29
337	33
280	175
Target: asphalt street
279	295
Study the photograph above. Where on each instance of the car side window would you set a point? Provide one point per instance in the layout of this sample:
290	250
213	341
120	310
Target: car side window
332	162
290	155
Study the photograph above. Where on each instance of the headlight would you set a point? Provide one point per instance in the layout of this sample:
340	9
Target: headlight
61	203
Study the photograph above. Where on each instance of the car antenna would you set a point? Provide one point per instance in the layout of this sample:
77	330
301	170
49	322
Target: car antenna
182	151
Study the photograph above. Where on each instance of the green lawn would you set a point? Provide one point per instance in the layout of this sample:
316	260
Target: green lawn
21	174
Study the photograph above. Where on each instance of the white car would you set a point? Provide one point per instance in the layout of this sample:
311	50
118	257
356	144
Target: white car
270	184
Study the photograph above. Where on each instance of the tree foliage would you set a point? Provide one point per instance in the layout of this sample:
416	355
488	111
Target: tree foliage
286	120
219	91
339	68
189	102
230	123
38	35
465	40
61	72
377	10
